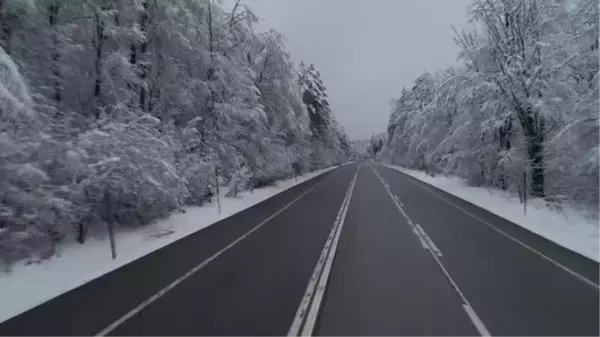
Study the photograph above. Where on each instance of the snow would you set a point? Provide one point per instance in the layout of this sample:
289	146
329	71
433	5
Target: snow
571	229
28	285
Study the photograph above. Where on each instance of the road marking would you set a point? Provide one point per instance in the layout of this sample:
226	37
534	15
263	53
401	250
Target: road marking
477	322
425	240
475	319
398	200
307	313
421	240
428	240
192	271
513	239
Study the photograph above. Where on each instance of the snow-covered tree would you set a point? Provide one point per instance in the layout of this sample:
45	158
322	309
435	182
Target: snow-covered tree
32	213
521	108
329	142
117	112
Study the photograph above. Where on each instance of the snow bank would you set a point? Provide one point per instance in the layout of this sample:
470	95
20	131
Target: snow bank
570	229
27	286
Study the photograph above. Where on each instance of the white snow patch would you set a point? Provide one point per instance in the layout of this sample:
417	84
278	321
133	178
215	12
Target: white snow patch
29	285
570	229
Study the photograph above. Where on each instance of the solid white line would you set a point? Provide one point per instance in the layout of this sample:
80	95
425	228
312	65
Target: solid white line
513	239
475	319
427	239
398	200
309	325
192	271
305	309
477	322
302	311
421	239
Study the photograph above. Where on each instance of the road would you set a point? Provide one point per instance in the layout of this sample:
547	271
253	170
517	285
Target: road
360	250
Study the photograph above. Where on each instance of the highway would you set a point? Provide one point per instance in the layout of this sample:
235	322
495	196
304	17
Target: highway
360	250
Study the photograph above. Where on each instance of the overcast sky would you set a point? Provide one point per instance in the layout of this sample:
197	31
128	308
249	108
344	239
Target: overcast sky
366	50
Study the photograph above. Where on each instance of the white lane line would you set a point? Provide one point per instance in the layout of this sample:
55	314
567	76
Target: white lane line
306	315
192	271
302	311
512	238
428	240
318	298
418	235
475	319
477	322
425	240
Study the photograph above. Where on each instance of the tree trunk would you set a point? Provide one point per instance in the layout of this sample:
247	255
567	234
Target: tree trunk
98	62
534	129
536	156
132	54
5	35
109	218
52	19
143	50
505	135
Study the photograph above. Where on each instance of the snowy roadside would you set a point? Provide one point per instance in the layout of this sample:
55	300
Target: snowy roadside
27	286
570	229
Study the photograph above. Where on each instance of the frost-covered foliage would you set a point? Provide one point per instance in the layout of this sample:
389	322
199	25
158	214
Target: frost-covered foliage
29	208
520	110
122	111
329	141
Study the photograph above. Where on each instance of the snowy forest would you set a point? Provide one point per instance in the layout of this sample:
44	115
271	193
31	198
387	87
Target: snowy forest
518	112
119	112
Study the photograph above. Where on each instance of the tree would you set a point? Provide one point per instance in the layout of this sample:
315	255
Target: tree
327	136
524	99
137	108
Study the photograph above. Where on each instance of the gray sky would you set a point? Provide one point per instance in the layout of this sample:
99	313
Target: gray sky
366	50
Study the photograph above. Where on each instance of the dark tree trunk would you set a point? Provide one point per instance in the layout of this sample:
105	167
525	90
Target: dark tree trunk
6	32
52	19
504	135
535	153
209	120
534	129
98	62
143	50
5	29
110	222
132	62
132	54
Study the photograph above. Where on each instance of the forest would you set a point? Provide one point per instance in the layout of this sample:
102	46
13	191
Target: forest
119	112
519	110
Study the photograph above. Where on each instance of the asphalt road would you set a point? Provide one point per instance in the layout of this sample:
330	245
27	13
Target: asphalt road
369	250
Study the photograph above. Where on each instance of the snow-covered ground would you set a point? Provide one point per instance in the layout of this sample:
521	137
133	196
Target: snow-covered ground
28	285
570	229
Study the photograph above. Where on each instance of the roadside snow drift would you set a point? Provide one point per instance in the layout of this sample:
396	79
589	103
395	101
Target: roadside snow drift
569	229
29	285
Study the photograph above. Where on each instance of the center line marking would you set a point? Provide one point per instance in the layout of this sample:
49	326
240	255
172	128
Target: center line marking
192	271
431	190
307	313
477	322
428	240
